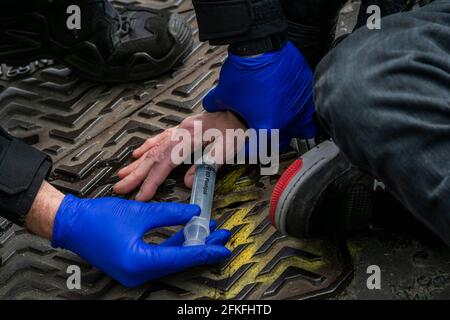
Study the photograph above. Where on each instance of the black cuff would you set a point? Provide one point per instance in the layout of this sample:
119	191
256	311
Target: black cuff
225	22
258	46
22	171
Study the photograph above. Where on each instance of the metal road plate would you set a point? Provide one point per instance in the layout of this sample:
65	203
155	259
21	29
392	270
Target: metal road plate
90	130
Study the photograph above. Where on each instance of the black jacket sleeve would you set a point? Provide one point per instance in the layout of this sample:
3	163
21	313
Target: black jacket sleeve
255	26
22	171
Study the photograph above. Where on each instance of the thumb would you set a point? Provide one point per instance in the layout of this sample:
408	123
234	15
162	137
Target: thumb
169	214
212	101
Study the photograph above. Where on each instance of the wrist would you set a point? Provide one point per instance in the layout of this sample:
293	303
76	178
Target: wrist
40	218
69	212
257	47
256	62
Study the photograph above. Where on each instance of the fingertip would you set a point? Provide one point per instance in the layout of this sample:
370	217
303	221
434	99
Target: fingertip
116	188
144	196
123	186
212	225
226	233
194	209
140	197
136	153
121	173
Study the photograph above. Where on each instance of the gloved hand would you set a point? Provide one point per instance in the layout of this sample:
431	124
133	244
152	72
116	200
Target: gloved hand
108	233
270	91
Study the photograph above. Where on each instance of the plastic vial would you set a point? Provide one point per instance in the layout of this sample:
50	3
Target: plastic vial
197	230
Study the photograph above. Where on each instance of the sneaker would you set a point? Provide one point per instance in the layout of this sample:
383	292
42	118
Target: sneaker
322	195
111	45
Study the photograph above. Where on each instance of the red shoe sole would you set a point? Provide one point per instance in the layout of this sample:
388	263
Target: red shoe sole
281	185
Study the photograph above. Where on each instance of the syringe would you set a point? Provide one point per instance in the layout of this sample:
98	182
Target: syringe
197	230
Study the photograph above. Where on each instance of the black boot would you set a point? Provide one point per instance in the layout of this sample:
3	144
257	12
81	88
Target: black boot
110	45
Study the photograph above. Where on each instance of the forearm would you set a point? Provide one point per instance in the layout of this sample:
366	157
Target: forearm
41	216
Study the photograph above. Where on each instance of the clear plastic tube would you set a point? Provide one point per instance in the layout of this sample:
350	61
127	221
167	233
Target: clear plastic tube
197	230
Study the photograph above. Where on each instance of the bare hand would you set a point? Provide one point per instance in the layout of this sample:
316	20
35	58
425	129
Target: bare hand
153	158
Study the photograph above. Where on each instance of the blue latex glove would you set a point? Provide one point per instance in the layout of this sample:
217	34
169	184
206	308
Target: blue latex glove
270	91
108	233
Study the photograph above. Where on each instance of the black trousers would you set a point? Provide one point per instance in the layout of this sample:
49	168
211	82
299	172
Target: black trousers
384	97
311	23
310	26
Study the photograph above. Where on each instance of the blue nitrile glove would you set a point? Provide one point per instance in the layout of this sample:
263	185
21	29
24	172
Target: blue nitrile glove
107	232
270	91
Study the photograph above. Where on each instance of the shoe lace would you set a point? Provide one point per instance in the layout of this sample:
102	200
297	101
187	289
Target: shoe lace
122	20
124	25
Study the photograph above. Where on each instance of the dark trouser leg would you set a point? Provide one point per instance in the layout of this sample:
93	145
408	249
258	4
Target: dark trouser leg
384	97
310	25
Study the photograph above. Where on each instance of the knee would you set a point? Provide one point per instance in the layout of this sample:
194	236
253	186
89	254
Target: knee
340	91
